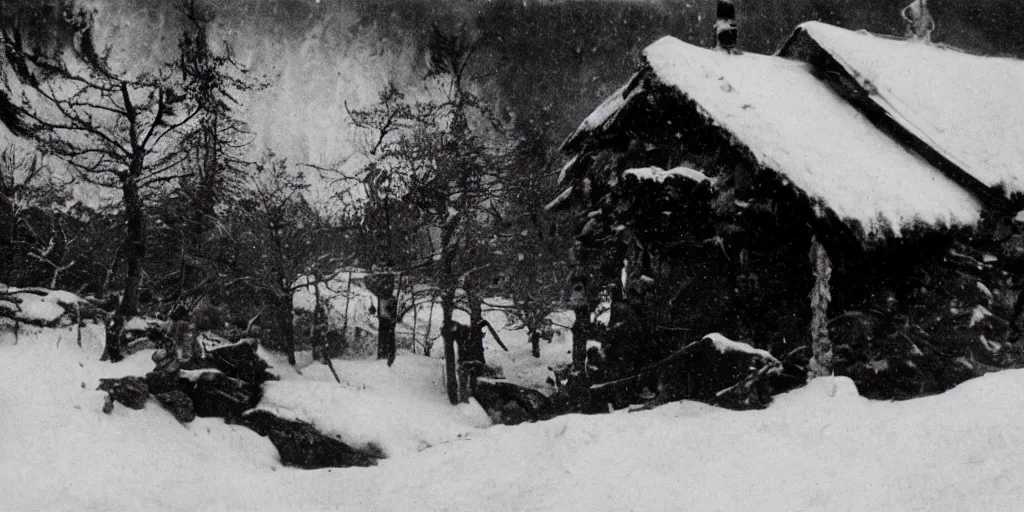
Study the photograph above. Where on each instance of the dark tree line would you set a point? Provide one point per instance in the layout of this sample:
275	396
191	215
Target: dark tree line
192	219
447	205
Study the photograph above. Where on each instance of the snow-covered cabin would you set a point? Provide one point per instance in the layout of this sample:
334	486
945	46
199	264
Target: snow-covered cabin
716	172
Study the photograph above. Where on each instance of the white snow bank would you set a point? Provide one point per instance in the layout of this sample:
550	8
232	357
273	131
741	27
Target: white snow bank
821	448
34	305
798	126
400	409
398	423
60	452
966	106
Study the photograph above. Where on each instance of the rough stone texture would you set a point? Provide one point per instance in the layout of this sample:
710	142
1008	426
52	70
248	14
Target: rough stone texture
215	394
300	445
130	391
178	404
510	404
239	360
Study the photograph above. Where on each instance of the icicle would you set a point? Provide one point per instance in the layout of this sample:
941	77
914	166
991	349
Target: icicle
726	32
821	346
920	23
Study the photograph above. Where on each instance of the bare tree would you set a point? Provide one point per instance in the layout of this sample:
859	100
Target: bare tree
216	143
280	243
117	129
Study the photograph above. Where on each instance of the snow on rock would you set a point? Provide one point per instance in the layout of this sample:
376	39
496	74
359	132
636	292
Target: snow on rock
723	345
138	323
43	307
659	175
966	106
397	410
40	309
979	314
796	125
60	452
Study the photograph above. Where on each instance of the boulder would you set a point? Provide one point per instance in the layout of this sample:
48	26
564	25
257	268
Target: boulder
178	404
130	391
510	404
215	394
141	333
239	360
301	445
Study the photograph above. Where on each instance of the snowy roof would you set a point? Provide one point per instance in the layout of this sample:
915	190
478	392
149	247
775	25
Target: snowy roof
604	114
797	126
969	108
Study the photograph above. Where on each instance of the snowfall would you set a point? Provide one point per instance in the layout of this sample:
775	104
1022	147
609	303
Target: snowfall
819	448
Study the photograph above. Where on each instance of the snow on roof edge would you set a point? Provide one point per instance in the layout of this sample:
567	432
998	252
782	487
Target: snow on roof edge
751	117
962	105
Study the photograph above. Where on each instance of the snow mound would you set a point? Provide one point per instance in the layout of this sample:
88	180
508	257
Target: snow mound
821	448
399	410
38	305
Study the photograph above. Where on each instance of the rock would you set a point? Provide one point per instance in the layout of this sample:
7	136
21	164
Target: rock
178	404
130	391
162	381
301	445
215	394
141	333
510	404
239	360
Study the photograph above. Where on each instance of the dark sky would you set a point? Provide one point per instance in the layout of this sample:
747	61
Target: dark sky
550	61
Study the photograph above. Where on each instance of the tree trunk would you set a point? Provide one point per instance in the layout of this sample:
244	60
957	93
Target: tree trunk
581	327
471	357
428	342
286	323
134	254
535	342
387	312
448	286
415	323
448	335
580	333
476	319
821	346
348	300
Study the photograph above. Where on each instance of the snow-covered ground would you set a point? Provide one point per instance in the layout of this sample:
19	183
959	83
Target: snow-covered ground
820	448
398	410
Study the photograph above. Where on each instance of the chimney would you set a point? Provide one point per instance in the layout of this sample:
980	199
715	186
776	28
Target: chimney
920	23
725	26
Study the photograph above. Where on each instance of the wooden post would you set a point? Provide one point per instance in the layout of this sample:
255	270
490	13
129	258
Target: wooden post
348	299
428	343
821	347
78	322
415	323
